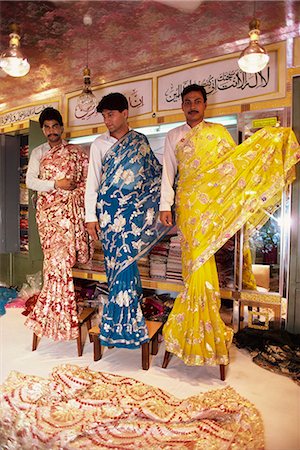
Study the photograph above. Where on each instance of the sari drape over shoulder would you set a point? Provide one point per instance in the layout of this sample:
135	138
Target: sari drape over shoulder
221	186
60	220
127	209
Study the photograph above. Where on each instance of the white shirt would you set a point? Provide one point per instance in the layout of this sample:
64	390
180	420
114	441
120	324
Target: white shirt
170	166
98	150
33	171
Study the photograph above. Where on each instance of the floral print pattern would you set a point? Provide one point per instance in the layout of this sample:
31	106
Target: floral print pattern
230	187
127	208
76	408
60	220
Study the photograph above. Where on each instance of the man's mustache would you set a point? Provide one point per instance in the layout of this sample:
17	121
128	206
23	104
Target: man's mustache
193	111
52	134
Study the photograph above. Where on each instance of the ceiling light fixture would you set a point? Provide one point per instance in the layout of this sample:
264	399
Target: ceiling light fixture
87	101
254	58
12	60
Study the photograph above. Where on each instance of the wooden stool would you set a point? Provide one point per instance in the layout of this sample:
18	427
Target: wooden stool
168	356
254	299
153	329
84	317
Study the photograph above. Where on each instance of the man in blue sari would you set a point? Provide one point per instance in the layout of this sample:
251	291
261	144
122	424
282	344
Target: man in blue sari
121	200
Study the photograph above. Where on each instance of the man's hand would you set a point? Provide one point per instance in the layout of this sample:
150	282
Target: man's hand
66	184
93	228
166	218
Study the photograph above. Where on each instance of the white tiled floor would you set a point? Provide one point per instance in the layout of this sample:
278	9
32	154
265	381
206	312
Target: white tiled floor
276	397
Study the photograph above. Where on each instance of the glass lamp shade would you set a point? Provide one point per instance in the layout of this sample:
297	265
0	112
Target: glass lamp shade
15	67
253	59
12	61
86	101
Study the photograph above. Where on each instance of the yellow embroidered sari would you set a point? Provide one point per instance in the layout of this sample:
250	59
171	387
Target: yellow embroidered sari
221	186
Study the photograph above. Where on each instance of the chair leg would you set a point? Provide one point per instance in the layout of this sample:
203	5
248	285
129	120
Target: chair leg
277	316
154	344
167	359
241	317
79	343
89	326
34	342
222	372
145	356
97	348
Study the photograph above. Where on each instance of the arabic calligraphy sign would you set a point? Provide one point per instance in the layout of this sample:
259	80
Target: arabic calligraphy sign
19	115
223	80
138	94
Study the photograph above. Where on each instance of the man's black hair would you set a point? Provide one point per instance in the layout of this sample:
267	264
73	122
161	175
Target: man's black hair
193	88
50	114
113	101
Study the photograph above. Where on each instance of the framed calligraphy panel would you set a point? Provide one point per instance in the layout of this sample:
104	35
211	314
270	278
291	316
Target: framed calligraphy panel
224	82
18	115
138	93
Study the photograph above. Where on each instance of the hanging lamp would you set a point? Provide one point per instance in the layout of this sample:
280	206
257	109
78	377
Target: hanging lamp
12	60
87	101
254	58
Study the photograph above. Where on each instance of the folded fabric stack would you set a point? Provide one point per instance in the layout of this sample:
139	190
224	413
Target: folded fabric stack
98	257
144	266
23	170
23	195
157	307
23	163
96	261
24	239
174	265
225	264
158	259
24	150
85	293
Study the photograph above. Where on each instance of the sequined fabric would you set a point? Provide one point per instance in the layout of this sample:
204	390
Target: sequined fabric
221	187
79	409
60	220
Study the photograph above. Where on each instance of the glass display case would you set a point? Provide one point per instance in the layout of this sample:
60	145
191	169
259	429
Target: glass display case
268	241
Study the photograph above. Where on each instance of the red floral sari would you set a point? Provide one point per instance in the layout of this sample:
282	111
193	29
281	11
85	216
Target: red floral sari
60	220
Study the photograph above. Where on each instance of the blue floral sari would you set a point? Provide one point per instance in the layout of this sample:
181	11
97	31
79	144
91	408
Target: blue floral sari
127	209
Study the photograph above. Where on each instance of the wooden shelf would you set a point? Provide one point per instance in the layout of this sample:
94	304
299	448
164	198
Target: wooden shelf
148	283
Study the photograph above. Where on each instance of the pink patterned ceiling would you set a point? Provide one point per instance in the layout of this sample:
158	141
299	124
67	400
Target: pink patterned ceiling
128	38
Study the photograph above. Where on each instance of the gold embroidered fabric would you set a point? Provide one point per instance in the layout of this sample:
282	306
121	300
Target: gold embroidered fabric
76	408
221	187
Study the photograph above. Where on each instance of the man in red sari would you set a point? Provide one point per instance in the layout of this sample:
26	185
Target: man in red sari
57	171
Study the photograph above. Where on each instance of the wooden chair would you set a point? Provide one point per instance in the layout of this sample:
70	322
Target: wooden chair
260	301
168	356
84	318
153	330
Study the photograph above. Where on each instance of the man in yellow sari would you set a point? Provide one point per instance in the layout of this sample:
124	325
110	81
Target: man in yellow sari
220	187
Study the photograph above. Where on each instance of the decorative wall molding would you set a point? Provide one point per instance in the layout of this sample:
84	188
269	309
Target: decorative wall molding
155	96
225	83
